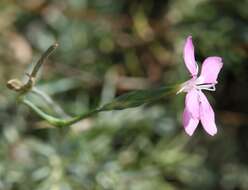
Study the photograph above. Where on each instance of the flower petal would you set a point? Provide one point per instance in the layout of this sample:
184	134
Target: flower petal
189	57
192	103
210	69
207	115
190	123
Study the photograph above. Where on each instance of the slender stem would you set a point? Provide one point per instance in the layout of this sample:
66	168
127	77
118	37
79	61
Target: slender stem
50	102
51	119
57	121
129	100
81	116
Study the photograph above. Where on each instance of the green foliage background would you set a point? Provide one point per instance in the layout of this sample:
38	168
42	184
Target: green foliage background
107	48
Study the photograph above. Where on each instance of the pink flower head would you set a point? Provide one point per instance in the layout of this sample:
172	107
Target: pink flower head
197	107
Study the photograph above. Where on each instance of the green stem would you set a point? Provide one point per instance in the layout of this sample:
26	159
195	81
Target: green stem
81	116
58	110
129	100
57	121
51	119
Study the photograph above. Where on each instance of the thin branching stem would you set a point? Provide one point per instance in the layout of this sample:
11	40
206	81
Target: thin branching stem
128	100
58	110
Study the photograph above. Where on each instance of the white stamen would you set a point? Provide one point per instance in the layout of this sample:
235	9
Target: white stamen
197	68
196	84
210	87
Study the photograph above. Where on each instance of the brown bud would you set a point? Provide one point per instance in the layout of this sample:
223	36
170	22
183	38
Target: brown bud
14	84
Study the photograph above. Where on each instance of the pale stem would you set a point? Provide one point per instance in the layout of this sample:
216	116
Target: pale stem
50	102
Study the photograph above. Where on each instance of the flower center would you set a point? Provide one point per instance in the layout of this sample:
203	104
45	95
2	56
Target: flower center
196	83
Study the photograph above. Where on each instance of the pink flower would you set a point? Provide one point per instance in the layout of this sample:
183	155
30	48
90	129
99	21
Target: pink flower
197	107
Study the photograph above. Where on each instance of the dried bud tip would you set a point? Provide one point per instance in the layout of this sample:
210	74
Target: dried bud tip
56	44
14	84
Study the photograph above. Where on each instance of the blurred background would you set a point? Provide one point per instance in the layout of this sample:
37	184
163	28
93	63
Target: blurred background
107	48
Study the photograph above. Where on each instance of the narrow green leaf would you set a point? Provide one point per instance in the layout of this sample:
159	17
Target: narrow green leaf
136	98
